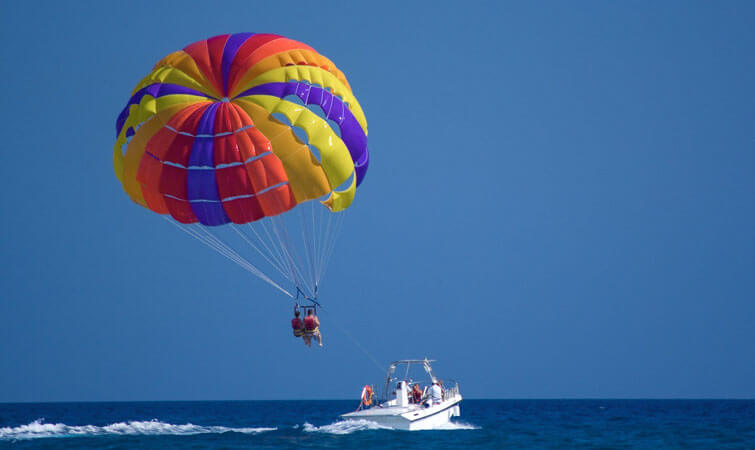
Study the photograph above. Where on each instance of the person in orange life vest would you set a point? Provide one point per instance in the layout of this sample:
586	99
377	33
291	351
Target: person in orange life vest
312	327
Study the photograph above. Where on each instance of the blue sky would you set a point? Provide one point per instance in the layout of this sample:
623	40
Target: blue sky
559	204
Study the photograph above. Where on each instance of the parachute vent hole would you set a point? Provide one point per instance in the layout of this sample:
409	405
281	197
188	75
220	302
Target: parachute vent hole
315	152
281	118
335	127
346	184
129	137
294	99
317	109
301	134
125	145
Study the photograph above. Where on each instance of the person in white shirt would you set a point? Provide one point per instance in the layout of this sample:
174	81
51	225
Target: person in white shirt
436	396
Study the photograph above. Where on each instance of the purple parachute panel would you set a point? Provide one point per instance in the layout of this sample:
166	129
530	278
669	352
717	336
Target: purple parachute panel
335	109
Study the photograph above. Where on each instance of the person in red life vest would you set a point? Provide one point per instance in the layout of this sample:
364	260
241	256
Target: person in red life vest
297	325
416	394
312	328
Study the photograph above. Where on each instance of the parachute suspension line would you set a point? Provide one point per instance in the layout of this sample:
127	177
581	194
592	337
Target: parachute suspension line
308	250
280	231
275	244
315	246
309	238
215	246
326	236
251	244
220	247
290	252
325	217
277	241
339	223
321	242
277	258
331	238
238	258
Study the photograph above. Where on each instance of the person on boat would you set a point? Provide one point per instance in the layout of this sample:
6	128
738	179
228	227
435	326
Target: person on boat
312	328
297	325
416	394
436	395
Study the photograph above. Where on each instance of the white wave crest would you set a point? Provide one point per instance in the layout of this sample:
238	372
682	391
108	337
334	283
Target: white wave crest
38	429
350	426
344	427
455	426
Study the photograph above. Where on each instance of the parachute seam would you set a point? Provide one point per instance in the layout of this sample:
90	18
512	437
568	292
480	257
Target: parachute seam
226	199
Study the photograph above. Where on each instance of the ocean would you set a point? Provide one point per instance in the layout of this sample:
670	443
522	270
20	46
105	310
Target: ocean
315	424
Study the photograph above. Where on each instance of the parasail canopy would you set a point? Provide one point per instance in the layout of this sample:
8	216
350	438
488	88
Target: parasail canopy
249	135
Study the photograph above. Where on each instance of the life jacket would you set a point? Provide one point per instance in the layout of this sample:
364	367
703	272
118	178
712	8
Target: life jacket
298	326
309	324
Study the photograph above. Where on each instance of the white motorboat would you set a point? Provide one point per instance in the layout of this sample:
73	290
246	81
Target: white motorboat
397	410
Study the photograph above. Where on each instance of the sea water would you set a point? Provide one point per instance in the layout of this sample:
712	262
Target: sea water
315	424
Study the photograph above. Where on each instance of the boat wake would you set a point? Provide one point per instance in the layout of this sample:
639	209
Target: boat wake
38	429
351	426
344	427
456	426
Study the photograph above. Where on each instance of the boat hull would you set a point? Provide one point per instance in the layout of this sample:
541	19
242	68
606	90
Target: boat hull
410	418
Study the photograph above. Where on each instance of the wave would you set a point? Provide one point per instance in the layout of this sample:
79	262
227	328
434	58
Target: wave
38	429
351	426
456	426
344	427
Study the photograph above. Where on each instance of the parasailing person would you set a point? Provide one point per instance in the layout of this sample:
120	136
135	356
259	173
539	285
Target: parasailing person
312	328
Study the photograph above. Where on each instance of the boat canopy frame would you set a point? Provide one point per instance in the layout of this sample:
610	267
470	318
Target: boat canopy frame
392	368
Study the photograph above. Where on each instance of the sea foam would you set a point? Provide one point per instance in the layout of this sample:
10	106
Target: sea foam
351	426
344	427
39	429
456	426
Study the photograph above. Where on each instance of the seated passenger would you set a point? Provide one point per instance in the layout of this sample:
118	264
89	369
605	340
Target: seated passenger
297	324
436	395
416	394
312	328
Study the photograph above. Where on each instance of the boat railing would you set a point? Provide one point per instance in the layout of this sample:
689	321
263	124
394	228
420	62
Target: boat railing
451	392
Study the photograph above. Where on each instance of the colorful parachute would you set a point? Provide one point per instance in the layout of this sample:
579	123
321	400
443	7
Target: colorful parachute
244	127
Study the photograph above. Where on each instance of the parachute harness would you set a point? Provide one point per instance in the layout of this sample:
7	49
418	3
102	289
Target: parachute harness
301	295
